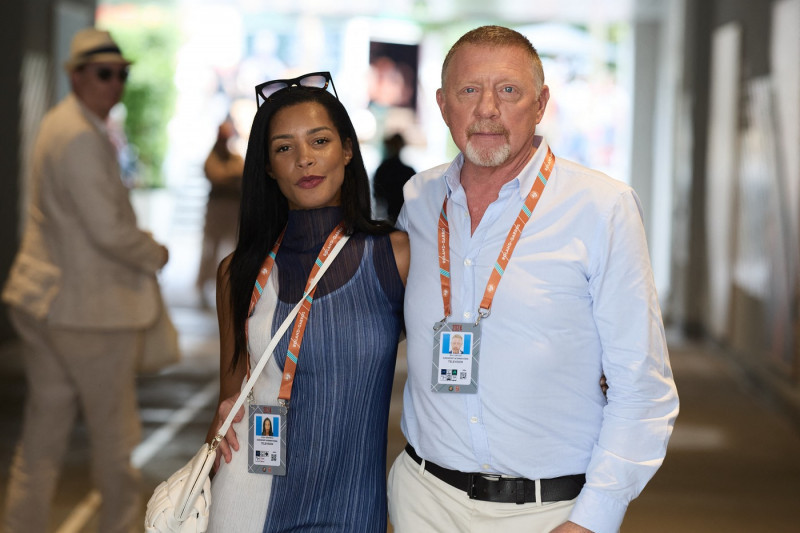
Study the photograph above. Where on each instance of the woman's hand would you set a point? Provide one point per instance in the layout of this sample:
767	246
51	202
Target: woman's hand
229	442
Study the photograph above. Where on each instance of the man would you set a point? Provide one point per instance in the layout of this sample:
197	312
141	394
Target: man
456	344
390	176
545	263
81	291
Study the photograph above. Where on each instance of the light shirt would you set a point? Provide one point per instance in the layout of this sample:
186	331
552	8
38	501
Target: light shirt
100	124
577	300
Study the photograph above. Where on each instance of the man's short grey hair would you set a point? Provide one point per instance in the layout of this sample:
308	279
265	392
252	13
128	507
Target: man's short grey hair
497	36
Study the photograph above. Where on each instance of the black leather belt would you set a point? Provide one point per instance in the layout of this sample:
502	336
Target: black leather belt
493	488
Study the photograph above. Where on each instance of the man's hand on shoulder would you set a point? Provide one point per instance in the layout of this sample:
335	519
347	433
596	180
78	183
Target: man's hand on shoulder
570	527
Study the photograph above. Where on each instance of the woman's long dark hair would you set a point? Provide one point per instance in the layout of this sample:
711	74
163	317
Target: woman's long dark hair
264	209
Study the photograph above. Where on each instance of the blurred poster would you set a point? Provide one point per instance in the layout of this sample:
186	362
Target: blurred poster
393	74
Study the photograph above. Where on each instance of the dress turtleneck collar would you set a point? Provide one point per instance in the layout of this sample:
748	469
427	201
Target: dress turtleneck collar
308	228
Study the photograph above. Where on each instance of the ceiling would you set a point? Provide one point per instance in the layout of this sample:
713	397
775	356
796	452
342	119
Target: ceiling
442	11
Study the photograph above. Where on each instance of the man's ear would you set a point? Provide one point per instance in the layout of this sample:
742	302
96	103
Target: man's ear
440	102
75	82
544	97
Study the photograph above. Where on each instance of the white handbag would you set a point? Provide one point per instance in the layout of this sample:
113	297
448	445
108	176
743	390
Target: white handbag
182	503
192	488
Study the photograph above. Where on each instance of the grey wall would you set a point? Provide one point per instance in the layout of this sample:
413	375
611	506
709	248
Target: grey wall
28	72
767	346
11	42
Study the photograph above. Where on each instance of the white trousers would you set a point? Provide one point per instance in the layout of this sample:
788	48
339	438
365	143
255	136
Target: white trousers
68	371
419	502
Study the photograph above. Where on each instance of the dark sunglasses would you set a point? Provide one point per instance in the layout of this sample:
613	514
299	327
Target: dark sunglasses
105	74
313	80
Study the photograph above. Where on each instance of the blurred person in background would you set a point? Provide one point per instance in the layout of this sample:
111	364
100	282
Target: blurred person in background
81	291
390	176
223	168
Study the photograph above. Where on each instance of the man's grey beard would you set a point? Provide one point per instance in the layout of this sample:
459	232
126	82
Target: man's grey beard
487	158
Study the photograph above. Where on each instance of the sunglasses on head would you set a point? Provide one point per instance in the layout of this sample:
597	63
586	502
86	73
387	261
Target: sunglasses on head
106	73
313	80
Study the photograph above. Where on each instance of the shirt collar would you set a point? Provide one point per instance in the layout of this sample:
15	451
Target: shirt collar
452	176
527	177
100	124
524	180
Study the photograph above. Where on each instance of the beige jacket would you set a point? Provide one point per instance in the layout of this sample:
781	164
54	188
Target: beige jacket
83	262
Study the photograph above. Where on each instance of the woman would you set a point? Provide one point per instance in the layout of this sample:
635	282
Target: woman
223	169
266	428
304	172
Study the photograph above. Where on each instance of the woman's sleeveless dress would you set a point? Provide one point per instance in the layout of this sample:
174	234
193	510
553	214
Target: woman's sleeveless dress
337	420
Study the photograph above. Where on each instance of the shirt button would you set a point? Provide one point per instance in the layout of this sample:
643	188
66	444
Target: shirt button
474	419
468	262
467	315
486	467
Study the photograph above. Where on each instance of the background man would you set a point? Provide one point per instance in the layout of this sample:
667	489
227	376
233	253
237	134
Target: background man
81	291
390	176
550	260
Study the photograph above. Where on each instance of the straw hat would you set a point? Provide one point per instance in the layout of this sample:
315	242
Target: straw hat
93	46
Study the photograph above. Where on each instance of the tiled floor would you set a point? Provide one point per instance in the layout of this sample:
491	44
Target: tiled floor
733	463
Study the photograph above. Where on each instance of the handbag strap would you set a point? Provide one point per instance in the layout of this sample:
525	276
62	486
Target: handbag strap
262	362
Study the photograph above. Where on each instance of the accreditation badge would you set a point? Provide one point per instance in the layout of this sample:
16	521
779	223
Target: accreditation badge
456	353
267	440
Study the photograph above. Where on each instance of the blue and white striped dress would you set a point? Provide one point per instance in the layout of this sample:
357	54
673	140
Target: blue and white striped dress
337	421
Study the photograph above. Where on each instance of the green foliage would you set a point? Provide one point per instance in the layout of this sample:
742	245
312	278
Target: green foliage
150	92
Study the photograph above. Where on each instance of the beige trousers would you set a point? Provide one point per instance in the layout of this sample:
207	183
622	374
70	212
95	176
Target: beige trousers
419	502
69	370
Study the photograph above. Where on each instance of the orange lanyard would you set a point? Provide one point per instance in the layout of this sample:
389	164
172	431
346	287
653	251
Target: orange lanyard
505	252
296	340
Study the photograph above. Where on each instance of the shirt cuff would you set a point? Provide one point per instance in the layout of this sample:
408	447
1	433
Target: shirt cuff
597	512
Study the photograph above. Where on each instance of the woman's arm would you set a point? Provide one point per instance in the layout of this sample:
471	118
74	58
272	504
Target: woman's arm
230	382
402	253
